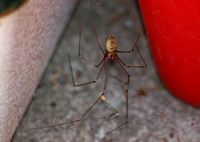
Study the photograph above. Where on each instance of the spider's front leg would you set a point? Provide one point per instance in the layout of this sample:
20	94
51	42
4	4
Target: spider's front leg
79	53
140	31
142	66
90	82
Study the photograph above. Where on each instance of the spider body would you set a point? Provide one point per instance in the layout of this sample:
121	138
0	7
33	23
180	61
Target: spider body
110	47
110	54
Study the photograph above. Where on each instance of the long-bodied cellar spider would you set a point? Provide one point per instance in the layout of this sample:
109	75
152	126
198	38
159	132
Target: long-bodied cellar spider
110	54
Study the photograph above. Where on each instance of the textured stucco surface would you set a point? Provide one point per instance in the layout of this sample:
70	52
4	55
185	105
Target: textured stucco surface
58	101
27	39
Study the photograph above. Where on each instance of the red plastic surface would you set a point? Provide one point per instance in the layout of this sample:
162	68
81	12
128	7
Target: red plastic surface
173	29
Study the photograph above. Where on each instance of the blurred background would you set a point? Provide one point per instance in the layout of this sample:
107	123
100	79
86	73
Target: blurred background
154	114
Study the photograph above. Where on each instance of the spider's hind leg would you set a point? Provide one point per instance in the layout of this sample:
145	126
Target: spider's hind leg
126	121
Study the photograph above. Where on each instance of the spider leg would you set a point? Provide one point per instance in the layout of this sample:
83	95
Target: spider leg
77	120
123	69
79	53
134	46
72	121
94	29
140	31
126	121
125	1
143	66
90	82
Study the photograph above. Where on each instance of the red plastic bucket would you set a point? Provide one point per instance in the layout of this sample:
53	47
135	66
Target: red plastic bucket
173	29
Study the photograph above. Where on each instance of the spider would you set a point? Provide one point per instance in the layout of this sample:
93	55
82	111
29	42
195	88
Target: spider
111	53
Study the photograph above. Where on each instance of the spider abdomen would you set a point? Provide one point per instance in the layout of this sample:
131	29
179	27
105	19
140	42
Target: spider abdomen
110	43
